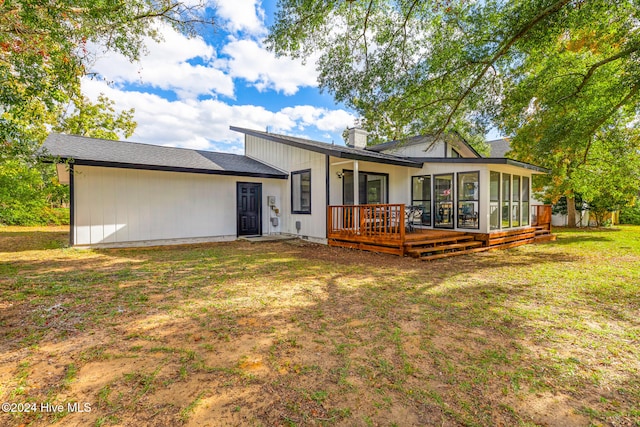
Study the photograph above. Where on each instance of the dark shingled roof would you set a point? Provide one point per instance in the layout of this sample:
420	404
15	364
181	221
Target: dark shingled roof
421	139
132	155
340	151
372	156
499	147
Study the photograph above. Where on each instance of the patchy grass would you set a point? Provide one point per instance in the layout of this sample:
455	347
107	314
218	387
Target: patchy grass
293	333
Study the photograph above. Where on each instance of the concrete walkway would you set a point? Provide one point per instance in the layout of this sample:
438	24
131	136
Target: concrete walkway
268	238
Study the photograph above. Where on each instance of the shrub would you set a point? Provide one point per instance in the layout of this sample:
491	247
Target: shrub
630	215
27	195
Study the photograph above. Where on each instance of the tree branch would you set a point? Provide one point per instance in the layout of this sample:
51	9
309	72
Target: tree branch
497	55
633	92
599	64
364	35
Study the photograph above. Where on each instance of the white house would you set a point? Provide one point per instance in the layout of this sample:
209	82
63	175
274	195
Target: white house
377	198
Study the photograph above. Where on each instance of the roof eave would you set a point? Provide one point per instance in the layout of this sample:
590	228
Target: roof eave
139	166
398	162
484	160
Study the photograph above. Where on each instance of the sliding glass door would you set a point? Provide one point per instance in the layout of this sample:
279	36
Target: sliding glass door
372	188
443	201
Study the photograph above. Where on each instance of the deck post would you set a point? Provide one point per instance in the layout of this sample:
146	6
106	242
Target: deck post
356	197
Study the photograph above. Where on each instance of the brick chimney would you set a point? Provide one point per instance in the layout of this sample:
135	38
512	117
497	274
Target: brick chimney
357	138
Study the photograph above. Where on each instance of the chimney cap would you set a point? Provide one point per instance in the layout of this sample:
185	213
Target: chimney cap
357	138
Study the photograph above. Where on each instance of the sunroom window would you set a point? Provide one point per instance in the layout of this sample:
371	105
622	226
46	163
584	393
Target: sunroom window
506	200
526	215
515	202
443	194
468	200
421	196
494	200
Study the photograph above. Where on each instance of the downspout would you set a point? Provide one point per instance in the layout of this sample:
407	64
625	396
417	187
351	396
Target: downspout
72	204
328	198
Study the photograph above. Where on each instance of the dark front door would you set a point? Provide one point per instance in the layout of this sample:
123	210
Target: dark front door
249	208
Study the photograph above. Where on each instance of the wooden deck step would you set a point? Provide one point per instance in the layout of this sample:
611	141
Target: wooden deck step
511	238
508	233
457	247
511	244
427	241
450	254
545	238
542	231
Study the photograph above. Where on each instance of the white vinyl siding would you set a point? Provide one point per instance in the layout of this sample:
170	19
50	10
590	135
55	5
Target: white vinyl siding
115	205
290	159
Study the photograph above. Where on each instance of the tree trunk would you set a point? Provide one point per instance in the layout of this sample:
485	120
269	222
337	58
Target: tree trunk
571	211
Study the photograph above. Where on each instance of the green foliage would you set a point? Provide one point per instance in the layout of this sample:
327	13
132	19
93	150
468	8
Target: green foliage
560	207
44	53
26	198
630	215
561	77
98	120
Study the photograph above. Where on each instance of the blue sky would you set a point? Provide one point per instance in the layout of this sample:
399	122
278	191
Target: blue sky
187	92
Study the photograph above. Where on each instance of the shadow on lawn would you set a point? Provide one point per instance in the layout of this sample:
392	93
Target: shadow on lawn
303	334
11	241
585	238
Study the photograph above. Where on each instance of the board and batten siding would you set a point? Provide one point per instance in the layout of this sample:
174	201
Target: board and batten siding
113	205
290	159
418	150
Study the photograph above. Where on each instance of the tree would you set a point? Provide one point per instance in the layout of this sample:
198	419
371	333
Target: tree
44	53
99	120
609	178
29	189
573	108
557	75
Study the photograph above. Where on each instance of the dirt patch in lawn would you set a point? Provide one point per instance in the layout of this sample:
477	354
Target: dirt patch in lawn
294	333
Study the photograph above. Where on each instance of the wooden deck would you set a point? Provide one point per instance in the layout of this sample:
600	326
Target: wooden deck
381	228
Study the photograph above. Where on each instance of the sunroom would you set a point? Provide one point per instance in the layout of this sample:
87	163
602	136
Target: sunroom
451	206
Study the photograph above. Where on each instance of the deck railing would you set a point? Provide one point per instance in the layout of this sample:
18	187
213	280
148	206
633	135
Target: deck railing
368	222
542	216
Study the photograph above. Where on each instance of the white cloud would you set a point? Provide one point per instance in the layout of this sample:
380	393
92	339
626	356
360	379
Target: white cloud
190	67
241	15
166	67
252	62
323	119
193	70
204	124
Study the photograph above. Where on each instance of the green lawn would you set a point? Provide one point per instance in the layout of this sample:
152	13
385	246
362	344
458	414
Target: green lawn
293	333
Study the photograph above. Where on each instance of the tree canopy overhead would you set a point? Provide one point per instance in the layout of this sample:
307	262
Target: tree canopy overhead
415	66
44	53
45	50
561	77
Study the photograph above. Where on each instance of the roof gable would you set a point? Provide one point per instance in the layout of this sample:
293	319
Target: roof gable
499	147
415	147
330	149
